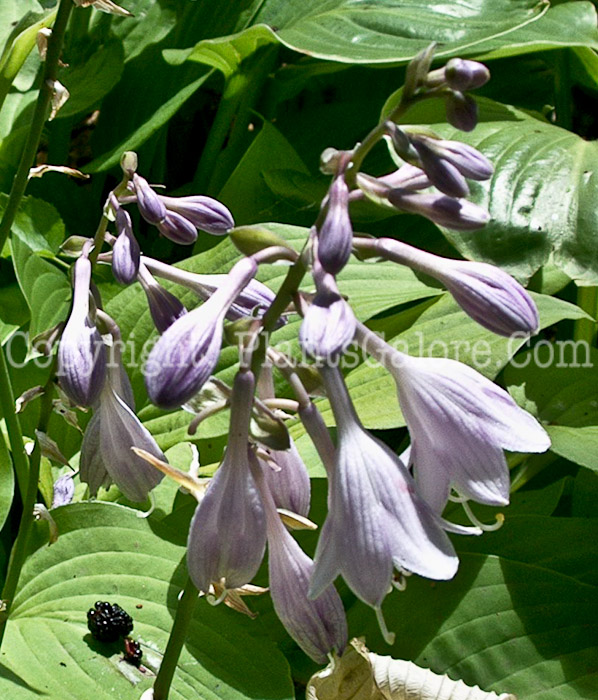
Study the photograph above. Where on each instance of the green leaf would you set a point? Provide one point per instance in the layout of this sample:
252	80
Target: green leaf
504	625
7	481
542	197
557	383
392	31
37	224
442	330
89	82
105	552
44	286
224	53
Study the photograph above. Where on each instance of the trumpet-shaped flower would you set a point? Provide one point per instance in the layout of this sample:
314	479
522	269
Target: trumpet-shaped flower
185	355
106	455
318	626
227	538
164	307
460	423
457	214
287	479
376	520
81	354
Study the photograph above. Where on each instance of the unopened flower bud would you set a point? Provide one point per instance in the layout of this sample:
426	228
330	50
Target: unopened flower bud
81	353
329	323
467	159
125	252
335	235
461	111
177	228
443	174
456	214
465	75
149	203
128	163
205	213
164	307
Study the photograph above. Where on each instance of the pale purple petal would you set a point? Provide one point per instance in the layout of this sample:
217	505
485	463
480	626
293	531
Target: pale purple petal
335	235
205	213
289	481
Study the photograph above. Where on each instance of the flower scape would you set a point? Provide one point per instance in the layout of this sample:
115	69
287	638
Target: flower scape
385	512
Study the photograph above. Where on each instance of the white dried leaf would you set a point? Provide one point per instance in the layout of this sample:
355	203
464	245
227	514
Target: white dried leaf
41	170
104	6
59	96
361	675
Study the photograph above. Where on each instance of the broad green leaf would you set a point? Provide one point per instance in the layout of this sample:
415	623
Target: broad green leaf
224	53
391	31
105	552
442	330
151	23
566	24
557	383
37	224
44	286
541	198
544	542
7	480
505	625
91	81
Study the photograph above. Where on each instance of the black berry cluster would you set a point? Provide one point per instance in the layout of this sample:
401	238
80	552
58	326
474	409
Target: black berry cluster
108	623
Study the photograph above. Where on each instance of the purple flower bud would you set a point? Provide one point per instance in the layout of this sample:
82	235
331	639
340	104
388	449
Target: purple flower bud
468	161
490	296
204	213
185	355
177	228
164	307
461	111
465	75
106	454
64	490
407	177
227	537
443	174
376	520
125	252
335	235
328	326
149	203
318	626
457	214
81	353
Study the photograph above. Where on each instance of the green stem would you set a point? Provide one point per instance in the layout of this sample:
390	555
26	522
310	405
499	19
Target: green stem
13	426
562	90
178	634
39	117
584	328
19	550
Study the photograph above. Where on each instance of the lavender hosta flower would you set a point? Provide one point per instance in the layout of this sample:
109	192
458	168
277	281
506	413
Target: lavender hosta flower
490	296
376	519
335	235
318	626
287	479
106	454
205	213
177	228
164	307
81	353
185	355
125	252
457	214
461	111
462	74
460	423
467	159
227	538
64	490
328	326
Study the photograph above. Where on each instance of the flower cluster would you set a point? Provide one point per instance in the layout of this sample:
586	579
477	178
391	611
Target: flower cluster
385	512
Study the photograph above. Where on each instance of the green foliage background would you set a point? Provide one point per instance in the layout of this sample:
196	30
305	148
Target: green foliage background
237	99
